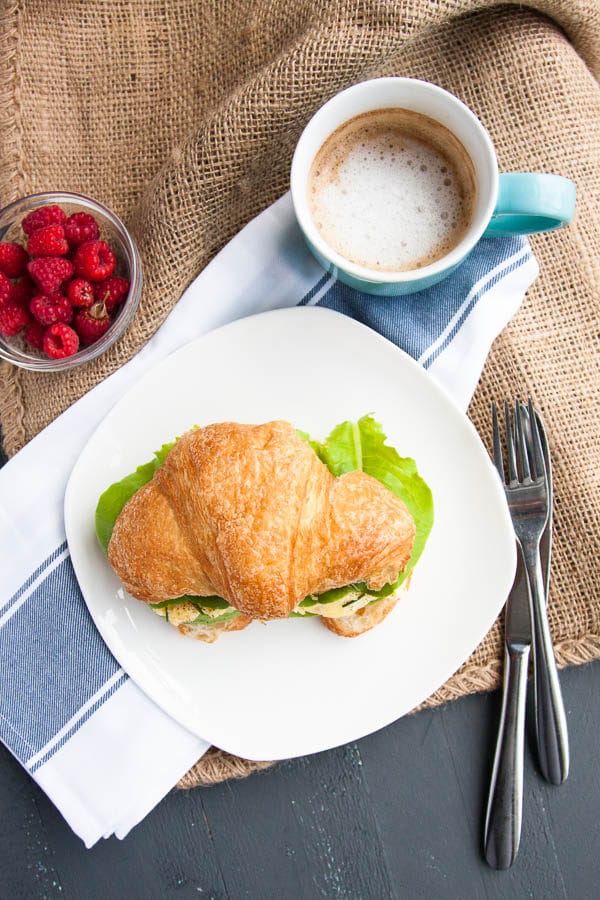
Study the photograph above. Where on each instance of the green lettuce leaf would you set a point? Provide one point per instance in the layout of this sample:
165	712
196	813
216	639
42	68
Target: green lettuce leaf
314	444
115	497
202	619
361	445
204	602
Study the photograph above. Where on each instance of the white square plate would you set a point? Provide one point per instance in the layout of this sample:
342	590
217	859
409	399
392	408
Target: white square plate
292	687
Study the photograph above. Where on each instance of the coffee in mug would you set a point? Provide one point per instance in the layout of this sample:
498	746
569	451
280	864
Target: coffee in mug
392	190
388	228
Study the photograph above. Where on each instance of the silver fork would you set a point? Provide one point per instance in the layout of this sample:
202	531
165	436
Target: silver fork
527	497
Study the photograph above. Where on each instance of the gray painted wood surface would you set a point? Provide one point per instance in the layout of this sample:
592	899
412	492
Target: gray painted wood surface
398	814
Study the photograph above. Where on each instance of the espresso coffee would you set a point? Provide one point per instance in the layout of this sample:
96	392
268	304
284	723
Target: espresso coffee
392	190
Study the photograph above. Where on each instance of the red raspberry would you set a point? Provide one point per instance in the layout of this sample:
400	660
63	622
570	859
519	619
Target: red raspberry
49	310
35	335
94	260
60	341
22	291
13	319
111	291
81	227
48	241
5	289
80	292
45	215
49	272
13	259
90	324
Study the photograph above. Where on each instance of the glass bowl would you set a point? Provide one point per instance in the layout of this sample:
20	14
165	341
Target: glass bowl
15	349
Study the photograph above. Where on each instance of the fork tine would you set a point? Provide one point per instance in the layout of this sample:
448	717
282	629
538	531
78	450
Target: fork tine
498	462
510	445
536	443
520	426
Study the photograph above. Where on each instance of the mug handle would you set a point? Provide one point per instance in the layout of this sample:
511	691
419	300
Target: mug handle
530	202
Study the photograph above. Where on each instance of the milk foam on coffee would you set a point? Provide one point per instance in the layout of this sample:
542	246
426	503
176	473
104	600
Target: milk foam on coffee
392	190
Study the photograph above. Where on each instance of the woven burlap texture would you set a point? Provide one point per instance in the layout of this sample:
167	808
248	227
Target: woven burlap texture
183	117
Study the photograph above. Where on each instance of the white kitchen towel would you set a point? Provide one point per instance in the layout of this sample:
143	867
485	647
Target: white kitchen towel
99	748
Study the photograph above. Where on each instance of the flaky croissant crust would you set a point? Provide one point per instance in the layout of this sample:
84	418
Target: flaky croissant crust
249	513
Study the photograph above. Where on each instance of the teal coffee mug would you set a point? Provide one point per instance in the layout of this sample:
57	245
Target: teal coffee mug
394	181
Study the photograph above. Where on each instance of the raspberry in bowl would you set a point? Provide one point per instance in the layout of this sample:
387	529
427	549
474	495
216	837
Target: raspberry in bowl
70	281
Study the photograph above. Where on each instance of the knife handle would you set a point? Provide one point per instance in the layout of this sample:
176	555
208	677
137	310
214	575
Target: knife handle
550	720
505	802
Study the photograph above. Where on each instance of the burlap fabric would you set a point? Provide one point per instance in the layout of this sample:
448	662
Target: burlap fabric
183	115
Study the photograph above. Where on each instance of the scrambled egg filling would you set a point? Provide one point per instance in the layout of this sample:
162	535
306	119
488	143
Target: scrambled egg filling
186	613
334	609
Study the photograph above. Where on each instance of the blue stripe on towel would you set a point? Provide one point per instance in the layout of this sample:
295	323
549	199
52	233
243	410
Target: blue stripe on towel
512	263
18	594
416	321
53	657
316	287
79	722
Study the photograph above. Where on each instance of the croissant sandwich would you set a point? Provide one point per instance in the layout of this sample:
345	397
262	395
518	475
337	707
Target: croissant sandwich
242	522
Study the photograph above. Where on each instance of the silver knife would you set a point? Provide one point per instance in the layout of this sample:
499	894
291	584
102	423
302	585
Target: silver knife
505	802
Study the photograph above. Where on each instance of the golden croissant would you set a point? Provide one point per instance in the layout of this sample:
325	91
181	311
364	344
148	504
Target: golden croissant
250	514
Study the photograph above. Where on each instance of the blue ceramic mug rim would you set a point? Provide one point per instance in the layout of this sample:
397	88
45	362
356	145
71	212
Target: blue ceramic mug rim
406	93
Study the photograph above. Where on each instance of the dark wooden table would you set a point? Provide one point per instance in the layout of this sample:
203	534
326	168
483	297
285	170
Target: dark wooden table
398	814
